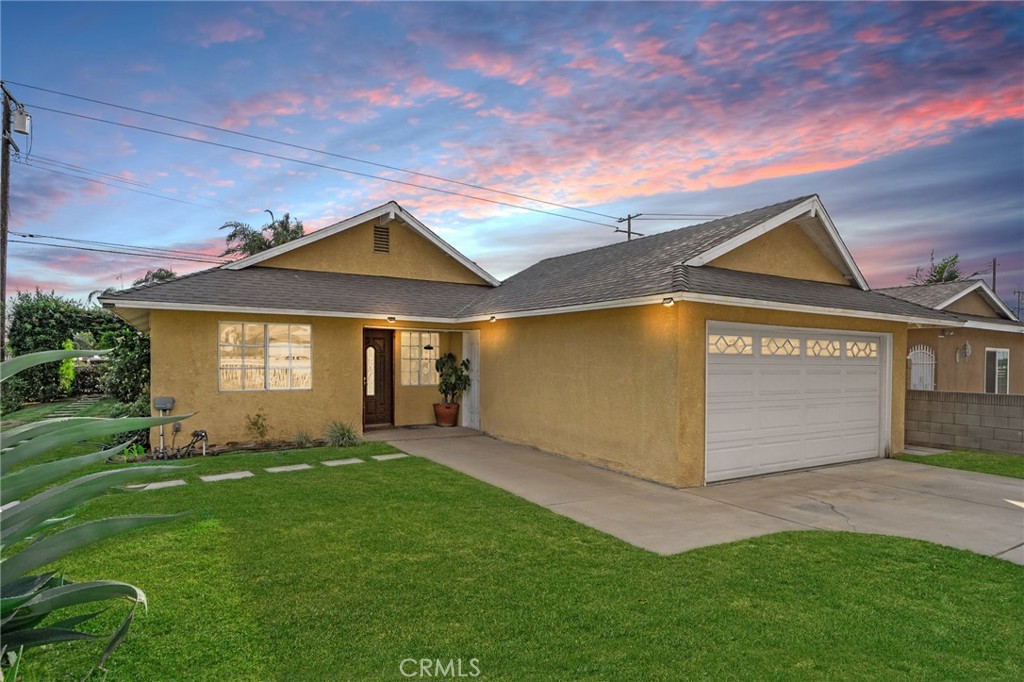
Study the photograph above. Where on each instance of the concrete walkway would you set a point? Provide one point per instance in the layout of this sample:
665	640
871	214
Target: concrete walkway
946	506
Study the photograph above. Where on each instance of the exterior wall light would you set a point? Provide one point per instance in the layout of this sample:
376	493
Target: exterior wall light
668	302
493	319
391	318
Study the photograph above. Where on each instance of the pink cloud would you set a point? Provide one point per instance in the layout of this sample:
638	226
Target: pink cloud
495	65
815	61
383	96
263	108
876	35
229	30
421	86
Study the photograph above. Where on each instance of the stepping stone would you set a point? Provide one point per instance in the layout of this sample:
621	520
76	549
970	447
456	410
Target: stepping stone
382	458
341	462
290	467
164	484
227	477
9	505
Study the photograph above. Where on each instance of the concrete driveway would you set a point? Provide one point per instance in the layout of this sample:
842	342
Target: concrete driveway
946	506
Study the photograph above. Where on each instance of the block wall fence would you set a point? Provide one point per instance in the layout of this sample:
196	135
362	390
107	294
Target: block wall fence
969	421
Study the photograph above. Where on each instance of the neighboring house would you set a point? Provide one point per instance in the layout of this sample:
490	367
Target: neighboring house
745	345
984	355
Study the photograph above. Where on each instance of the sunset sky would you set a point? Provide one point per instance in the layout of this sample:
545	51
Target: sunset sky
905	118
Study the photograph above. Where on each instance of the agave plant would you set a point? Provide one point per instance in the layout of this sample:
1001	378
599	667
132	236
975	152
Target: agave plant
31	603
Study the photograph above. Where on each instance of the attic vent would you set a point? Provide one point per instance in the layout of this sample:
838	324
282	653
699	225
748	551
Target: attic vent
381	239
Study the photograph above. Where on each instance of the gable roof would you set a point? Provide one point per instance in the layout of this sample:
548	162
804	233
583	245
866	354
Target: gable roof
634	268
810	205
943	294
390	209
621	274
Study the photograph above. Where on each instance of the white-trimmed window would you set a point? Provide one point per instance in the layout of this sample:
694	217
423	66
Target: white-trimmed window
997	370
419	355
264	357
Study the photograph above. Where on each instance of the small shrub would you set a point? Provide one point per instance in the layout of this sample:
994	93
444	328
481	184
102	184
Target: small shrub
66	371
13	395
126	373
303	439
342	435
87	379
138	408
256	426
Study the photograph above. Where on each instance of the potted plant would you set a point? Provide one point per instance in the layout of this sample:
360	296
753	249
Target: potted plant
452	381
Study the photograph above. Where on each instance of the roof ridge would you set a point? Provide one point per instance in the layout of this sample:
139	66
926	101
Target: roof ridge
930	284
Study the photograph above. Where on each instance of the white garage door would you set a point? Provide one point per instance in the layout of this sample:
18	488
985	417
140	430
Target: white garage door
781	399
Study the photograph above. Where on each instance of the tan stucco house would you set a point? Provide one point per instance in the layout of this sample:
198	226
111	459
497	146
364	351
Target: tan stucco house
983	355
745	345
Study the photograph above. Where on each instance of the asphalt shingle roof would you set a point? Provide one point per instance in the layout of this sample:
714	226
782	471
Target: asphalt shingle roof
278	288
617	271
721	282
929	295
649	266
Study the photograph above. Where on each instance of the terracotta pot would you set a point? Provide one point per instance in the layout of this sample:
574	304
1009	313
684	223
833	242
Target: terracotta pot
446	414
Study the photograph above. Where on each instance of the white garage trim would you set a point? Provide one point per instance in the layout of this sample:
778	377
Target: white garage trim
880	366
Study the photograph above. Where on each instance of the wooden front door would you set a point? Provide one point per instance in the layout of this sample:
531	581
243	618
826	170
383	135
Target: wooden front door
378	367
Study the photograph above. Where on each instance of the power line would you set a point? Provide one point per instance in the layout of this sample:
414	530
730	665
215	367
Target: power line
81	169
123	253
100	182
290	159
314	150
31	235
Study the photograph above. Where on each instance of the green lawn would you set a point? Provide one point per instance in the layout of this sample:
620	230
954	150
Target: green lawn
342	573
970	460
39	411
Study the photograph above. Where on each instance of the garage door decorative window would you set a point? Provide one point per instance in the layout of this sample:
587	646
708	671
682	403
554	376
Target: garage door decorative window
861	349
823	348
728	344
922	368
785	346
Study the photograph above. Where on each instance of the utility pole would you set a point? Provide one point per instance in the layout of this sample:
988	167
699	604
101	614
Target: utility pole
629	226
994	264
1018	293
5	202
5	198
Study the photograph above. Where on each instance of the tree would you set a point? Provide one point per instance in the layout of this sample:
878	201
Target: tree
946	270
154	276
43	321
245	240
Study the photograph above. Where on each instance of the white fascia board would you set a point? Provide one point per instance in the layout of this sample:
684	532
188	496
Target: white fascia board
581	308
602	305
391	208
986	291
812	206
992	326
810	309
252	310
